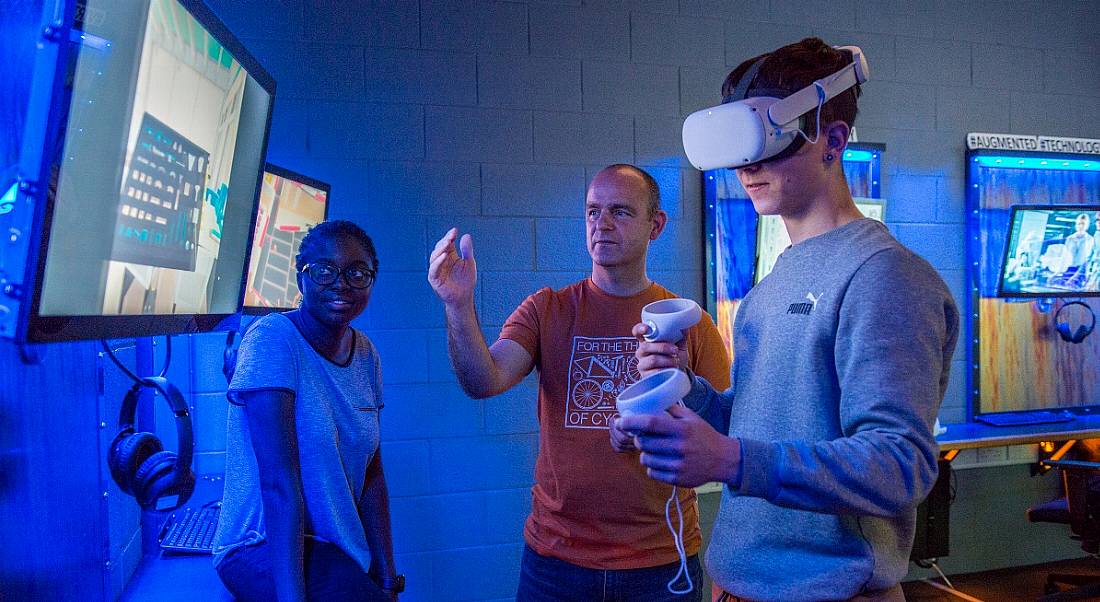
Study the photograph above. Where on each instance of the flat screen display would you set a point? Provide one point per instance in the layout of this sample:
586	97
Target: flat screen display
1052	251
772	237
290	204
164	120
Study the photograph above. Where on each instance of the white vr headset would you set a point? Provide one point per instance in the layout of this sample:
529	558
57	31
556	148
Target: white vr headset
743	131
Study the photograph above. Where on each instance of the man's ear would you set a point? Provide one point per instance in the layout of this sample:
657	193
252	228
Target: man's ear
660	219
836	137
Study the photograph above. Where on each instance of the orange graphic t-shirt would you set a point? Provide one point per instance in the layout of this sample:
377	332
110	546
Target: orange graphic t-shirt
591	506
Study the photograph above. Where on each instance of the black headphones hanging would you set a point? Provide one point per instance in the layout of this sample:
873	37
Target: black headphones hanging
1082	331
138	461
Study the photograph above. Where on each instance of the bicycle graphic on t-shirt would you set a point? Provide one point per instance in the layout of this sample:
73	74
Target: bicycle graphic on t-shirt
599	369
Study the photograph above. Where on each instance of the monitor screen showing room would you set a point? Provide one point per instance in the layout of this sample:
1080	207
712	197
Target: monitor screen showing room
772	237
163	131
1052	251
290	204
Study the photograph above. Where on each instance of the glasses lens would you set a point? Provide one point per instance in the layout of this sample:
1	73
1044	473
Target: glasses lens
323	273
359	277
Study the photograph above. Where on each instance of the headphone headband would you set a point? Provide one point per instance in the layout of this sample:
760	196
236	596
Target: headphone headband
185	441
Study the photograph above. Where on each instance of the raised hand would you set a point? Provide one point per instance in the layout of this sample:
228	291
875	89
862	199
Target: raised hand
452	275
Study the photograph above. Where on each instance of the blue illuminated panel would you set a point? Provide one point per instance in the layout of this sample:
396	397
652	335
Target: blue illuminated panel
1008	162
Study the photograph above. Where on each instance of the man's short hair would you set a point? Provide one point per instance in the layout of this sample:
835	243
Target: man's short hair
653	202
795	66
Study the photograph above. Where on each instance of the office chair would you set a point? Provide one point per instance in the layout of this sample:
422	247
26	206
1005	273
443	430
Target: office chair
1080	509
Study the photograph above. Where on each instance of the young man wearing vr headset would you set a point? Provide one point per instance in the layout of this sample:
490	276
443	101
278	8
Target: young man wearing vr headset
841	358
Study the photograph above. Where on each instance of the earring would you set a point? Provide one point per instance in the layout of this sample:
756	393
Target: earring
829	157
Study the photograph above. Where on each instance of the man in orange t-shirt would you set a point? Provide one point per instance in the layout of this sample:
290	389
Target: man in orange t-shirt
597	526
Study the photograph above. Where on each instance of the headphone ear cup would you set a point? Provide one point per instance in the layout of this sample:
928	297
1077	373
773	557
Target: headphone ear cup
229	363
129	452
1063	331
161	476
1082	332
154	469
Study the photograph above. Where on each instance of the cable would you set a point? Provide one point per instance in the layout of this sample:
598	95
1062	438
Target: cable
817	116
678	541
167	356
952	591
936	566
127	372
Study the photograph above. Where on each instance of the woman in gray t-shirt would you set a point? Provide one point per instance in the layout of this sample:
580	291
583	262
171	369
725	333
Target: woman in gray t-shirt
305	511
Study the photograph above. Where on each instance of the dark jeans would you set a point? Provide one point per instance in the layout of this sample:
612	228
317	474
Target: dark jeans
543	579
330	575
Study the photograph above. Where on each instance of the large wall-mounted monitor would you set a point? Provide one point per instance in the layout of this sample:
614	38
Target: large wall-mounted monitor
1052	251
149	121
290	204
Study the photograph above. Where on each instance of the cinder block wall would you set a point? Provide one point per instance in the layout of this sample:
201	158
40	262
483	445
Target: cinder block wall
492	116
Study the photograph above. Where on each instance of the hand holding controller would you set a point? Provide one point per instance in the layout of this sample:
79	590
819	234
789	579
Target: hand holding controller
654	393
669	318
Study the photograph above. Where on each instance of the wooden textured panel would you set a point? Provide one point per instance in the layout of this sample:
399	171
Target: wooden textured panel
1022	363
1026	365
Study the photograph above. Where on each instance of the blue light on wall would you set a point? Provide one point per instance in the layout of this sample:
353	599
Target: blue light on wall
859	155
1008	162
7	202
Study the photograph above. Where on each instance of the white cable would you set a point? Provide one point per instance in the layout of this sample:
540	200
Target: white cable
817	116
678	541
936	566
952	591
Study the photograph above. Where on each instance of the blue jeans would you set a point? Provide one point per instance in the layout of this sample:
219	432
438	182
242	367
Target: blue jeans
330	575
544	579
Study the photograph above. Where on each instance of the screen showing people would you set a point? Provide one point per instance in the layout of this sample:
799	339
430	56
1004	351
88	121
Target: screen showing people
157	175
772	237
290	205
1052	251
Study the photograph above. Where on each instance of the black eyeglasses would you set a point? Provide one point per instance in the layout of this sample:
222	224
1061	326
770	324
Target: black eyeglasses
325	274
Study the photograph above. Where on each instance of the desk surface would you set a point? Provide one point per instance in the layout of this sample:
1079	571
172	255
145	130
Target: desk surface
971	435
183	577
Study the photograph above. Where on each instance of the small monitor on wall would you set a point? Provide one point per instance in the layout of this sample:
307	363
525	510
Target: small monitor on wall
1052	251
772	237
290	204
152	150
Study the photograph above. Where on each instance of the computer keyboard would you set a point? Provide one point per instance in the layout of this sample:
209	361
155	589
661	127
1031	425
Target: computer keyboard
192	532
1026	418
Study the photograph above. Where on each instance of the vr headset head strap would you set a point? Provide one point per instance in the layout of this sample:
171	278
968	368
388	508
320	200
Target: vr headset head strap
742	89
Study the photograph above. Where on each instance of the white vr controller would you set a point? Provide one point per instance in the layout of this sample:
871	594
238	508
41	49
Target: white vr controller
667	320
654	394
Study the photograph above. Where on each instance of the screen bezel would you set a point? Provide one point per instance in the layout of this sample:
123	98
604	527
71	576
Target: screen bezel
36	328
282	172
1082	208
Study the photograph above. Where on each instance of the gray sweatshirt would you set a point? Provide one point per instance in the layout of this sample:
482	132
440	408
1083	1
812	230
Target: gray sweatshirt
841	361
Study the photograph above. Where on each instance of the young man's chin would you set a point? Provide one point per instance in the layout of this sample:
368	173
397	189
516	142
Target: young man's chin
765	206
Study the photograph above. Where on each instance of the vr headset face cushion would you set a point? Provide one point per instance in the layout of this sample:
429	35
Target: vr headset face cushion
129	452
